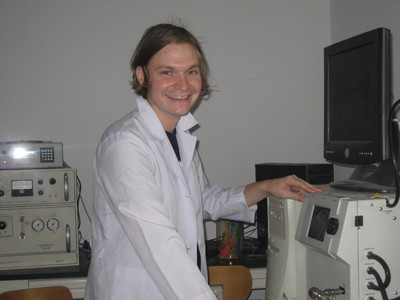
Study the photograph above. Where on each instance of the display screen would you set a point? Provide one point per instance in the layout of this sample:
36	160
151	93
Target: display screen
352	92
20	152
357	98
319	222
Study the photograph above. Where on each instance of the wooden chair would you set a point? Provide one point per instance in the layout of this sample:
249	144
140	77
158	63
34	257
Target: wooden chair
236	281
45	293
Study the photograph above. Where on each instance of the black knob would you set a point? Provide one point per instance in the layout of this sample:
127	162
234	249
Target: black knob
3	225
1	193
52	181
333	226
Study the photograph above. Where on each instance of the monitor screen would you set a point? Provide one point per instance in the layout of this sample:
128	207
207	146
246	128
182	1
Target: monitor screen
357	81
357	98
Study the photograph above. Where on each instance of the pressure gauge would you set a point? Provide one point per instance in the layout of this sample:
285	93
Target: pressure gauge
37	225
53	224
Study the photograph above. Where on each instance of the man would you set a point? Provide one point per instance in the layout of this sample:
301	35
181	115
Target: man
151	194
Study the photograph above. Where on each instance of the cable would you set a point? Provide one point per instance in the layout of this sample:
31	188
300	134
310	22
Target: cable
78	184
371	255
393	153
80	198
85	245
378	279
382	285
249	232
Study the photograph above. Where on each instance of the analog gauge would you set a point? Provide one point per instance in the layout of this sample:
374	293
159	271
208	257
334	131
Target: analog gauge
53	224
37	225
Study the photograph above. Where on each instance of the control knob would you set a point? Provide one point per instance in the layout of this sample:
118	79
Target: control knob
3	225
333	226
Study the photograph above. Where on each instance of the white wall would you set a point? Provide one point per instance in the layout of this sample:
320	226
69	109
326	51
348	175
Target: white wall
353	17
64	72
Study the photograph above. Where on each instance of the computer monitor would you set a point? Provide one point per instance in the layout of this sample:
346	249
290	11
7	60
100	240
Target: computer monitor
357	97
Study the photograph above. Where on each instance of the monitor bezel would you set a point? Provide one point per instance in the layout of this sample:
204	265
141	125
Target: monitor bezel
371	151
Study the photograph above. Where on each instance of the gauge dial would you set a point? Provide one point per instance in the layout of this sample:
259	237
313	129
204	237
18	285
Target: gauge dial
37	225
53	224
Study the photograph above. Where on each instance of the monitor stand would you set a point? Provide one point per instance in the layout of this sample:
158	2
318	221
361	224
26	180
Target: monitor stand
378	178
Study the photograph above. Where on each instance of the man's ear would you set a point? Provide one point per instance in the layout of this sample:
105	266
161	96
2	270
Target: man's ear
139	72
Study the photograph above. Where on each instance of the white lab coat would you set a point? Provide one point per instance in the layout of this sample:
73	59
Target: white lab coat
149	210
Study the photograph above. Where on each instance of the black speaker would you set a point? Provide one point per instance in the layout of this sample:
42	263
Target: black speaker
312	173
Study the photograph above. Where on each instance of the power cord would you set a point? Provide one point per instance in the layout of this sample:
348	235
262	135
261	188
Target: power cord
85	245
371	286
381	285
393	152
378	279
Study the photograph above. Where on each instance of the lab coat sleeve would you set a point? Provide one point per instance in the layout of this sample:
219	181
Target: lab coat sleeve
126	171
220	202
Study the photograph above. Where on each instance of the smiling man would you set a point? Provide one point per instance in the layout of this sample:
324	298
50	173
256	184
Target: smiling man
151	195
174	82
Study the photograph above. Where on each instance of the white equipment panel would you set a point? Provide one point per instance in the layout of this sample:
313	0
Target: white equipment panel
286	264
37	187
38	218
349	237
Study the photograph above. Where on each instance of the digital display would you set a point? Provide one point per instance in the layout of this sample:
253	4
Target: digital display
20	152
319	222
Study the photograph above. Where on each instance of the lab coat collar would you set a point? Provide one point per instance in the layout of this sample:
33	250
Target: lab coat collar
187	142
152	122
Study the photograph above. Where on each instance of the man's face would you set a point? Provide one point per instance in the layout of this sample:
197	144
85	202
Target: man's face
174	82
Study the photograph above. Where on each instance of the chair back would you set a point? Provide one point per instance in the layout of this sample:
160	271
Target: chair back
45	293
236	281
